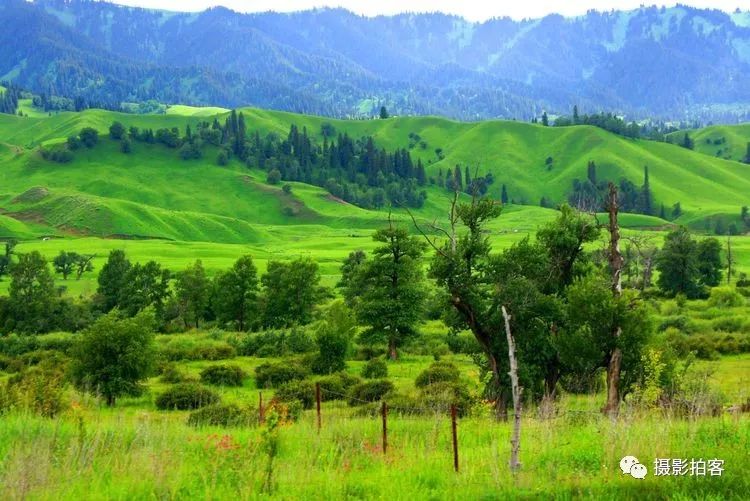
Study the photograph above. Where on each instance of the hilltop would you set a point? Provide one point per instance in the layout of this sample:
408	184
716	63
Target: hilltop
152	193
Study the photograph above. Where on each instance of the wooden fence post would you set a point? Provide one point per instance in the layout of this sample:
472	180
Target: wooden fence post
317	403
455	437
261	410
384	413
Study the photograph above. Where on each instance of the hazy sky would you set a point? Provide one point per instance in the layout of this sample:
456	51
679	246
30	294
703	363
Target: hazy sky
471	9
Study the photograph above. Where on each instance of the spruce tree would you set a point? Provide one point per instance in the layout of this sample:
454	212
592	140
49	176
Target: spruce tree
504	195
646	197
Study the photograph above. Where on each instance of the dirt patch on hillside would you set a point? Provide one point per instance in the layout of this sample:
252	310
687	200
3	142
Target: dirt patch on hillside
32	195
336	199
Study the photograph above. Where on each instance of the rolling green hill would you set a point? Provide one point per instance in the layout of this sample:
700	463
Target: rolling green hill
721	141
152	193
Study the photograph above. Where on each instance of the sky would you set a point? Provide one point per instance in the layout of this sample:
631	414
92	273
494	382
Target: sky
474	10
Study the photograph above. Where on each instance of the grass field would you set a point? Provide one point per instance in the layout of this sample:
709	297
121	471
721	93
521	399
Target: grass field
135	451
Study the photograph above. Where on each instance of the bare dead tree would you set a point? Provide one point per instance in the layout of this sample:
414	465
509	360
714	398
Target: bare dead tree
517	390
614	365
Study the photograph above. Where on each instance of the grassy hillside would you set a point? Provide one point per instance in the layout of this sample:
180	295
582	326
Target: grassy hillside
721	141
152	193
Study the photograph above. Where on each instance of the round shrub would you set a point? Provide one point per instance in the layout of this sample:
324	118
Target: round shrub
369	391
375	369
223	375
300	391
726	297
223	415
172	374
440	396
186	396
337	386
438	372
273	375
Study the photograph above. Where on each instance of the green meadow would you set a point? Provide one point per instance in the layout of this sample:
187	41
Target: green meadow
156	206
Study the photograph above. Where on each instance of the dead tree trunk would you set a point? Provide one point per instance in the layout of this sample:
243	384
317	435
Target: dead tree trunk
614	364
515	441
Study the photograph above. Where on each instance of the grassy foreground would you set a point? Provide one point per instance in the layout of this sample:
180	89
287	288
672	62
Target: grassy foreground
141	454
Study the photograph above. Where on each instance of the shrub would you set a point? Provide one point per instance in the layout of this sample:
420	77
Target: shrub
223	415
337	386
463	342
730	323
302	391
37	390
440	396
438	372
223	375
369	391
375	369
172	374
274	343
681	323
186	396
185	348
725	297
273	375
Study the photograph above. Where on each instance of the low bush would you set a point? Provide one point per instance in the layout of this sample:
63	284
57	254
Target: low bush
274	374
172	374
38	390
680	322
438	372
224	415
369	391
730	323
186	396
375	369
223	375
337	385
726	297
302	391
183	348
274	343
462	343
440	396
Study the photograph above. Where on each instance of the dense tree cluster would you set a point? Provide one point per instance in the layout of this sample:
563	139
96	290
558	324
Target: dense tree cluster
607	121
9	99
589	194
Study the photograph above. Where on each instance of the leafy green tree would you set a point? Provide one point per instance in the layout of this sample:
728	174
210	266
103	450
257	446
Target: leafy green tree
678	266
333	335
115	355
349	285
145	285
747	155
65	263
32	293
710	263
273	177
383	113
545	119
676	210
89	137
687	142
113	280
563	240
116	131
504	195
83	264
586	340
6	257
392	288
126	146
290	292
192	290
236	293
